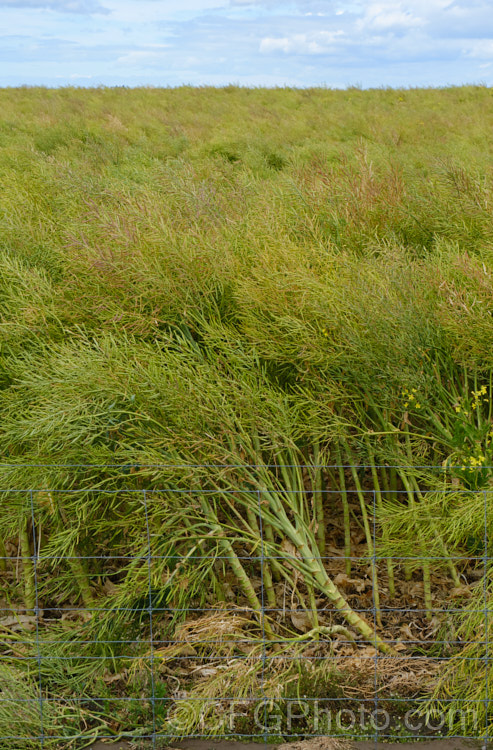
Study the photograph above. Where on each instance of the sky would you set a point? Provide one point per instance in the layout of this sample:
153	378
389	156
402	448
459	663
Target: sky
333	43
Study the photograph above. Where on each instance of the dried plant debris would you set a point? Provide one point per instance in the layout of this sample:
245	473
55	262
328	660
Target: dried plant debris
319	743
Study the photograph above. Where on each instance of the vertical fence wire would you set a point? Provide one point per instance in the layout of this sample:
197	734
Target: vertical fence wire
262	603
35	559
150	610
486	623
374	596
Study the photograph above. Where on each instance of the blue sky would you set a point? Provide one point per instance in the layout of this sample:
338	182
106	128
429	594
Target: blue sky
335	43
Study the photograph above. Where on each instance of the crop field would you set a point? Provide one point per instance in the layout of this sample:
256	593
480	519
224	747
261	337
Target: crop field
246	398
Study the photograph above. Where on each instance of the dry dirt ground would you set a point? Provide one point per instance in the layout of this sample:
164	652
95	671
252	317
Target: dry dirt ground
318	743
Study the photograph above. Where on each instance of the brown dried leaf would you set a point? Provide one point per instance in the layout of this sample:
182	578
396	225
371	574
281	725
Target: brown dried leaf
110	678
460	591
301	621
318	743
407	633
21	622
342	579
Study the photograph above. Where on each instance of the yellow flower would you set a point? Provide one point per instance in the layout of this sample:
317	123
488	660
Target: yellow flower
457	408
418	406
406	405
411	397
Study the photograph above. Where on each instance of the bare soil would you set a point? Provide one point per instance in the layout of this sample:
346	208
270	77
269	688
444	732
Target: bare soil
317	743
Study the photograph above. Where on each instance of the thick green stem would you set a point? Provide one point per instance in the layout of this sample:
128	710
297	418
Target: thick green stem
439	538
422	547
3	555
412	487
236	565
393	494
298	486
312	569
313	606
478	407
81	577
75	563
216	583
269	537
490	399
266	574
268	585
318	499
378	507
293	486
345	510
28	568
369	542
309	563
217	588
327	586
299	492
390	563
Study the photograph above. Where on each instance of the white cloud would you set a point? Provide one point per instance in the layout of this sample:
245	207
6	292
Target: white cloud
315	43
388	16
62	6
481	49
152	54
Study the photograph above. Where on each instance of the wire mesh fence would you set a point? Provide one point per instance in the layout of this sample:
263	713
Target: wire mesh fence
246	624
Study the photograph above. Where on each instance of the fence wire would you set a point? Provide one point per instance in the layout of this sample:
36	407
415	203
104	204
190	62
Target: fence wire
129	663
